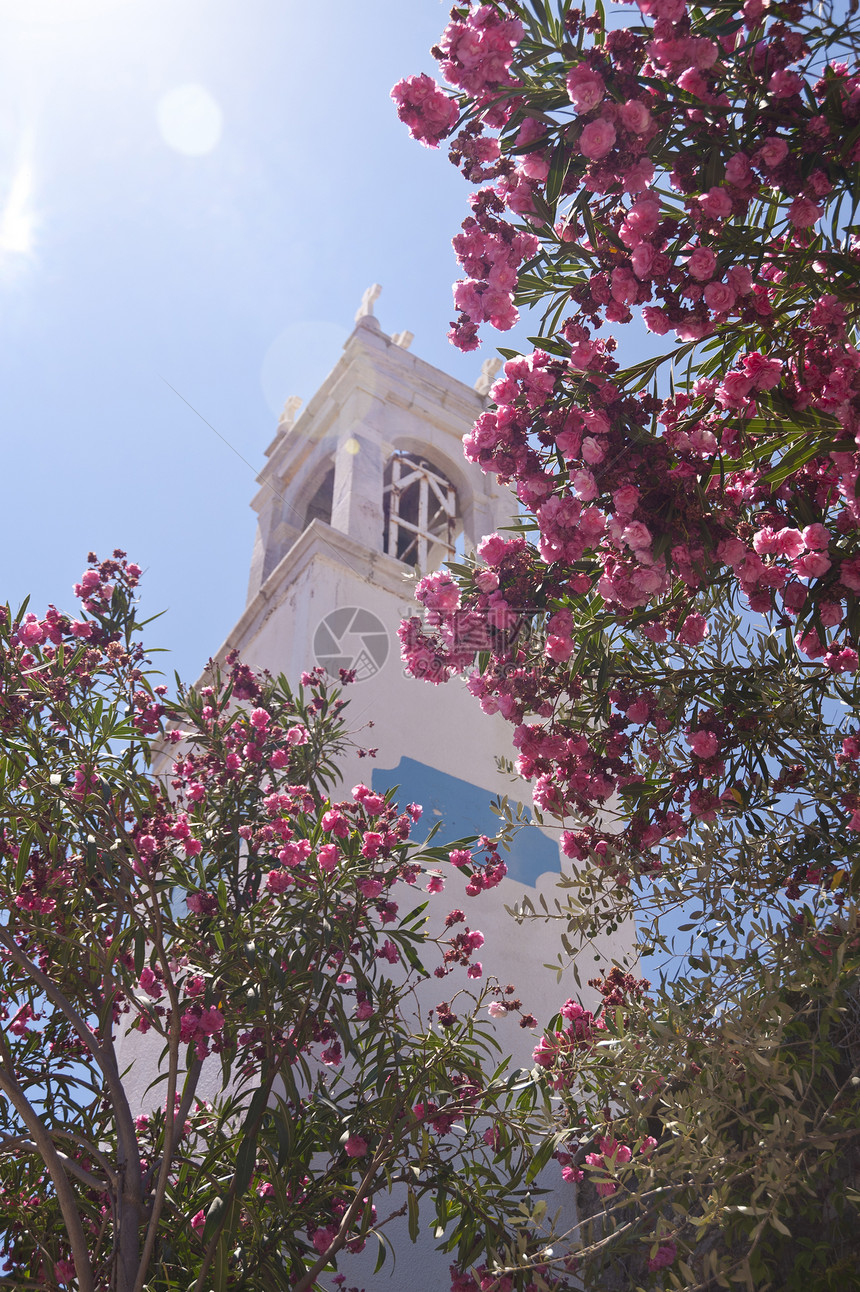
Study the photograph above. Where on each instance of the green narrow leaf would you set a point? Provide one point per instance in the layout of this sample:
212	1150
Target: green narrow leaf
245	1161
540	1159
220	1267
213	1219
559	166
412	1203
23	859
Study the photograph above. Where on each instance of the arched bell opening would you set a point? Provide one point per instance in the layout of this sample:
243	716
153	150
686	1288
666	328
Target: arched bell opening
421	524
320	505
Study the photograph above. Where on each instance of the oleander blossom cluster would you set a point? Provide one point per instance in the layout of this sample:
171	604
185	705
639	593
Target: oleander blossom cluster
632	176
671	623
241	918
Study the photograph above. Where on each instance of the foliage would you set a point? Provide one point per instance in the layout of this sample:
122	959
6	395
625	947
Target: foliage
672	627
224	927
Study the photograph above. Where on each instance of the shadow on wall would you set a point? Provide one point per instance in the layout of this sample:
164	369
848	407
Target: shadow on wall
464	809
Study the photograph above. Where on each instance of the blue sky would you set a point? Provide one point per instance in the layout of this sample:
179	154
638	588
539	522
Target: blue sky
195	192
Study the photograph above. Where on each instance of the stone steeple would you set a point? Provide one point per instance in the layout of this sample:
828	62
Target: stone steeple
379	408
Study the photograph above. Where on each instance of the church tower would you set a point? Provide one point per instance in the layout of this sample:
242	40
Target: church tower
363	491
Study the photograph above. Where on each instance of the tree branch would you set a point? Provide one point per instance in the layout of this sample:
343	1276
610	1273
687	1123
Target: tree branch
55	1164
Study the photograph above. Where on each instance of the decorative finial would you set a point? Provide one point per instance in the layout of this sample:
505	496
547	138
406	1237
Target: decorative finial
489	368
365	309
403	339
288	413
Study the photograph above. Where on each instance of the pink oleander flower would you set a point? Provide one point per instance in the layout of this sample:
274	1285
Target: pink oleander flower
635	116
438	592
740	279
593	451
830	613
211	1020
716	203
809	643
198	1221
355	1146
803	212
783	84
278	881
764	373
493	548
639	712
605	1188
30	632
585	87
642	260
655	320
638	177
323	1238
558	648
544	1053
701	264
335	823
811	566
693	631
841	659
372	845
151	983
664	1256
424	109
597	139
773	151
816	537
460	857
370	888
328	856
372	803
704	744
486	580
201	903
719	297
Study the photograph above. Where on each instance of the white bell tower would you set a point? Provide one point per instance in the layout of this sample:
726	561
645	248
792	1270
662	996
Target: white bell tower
363	490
